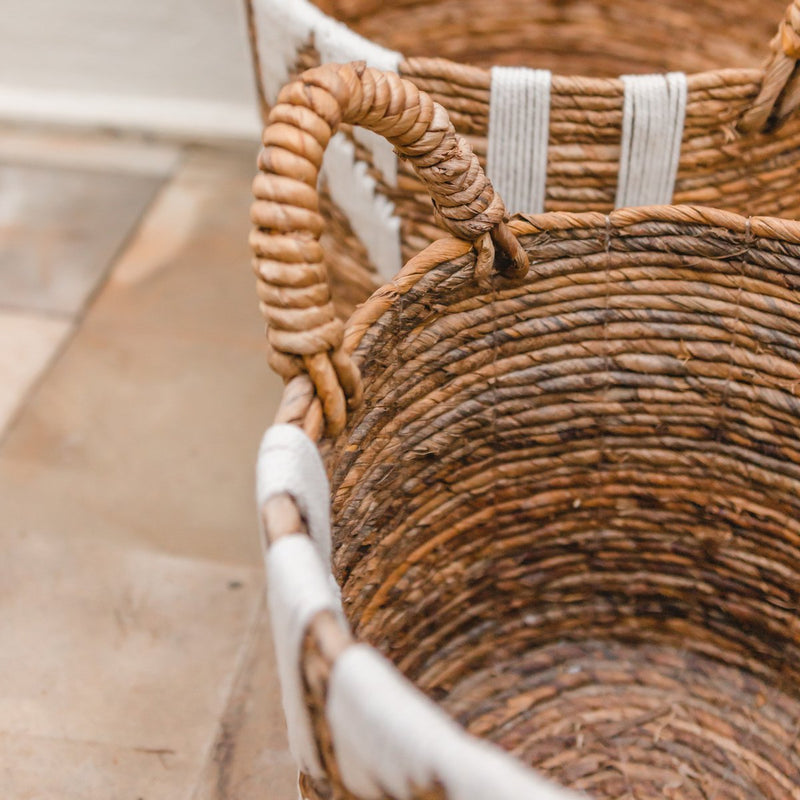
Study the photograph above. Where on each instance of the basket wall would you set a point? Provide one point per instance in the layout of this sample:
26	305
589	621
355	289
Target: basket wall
569	510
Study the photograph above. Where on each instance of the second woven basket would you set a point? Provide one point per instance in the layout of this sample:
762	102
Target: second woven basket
563	456
542	90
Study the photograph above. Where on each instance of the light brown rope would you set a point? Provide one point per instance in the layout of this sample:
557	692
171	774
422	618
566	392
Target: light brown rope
779	94
304	334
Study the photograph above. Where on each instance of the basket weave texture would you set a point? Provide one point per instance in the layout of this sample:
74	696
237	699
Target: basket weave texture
566	491
740	140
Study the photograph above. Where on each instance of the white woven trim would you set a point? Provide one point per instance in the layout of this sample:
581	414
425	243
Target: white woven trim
654	110
383	155
389	738
370	214
298	587
282	27
519	126
289	462
337	44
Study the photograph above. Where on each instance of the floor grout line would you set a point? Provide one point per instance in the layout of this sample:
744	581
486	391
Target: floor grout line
45	313
249	645
21	402
76	319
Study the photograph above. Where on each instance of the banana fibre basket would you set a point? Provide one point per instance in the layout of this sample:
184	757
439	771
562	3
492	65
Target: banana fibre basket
533	513
555	98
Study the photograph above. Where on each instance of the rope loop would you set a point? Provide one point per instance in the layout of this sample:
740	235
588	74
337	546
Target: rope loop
303	333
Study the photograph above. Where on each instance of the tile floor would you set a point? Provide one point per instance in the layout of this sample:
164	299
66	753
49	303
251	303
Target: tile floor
135	659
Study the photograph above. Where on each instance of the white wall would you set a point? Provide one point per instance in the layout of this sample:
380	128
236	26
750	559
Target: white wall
170	66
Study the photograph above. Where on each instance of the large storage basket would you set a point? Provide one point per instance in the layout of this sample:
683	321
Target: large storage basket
565	496
735	153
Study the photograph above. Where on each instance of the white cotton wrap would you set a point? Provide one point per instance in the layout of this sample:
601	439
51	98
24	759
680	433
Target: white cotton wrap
298	587
519	127
370	214
654	110
389	738
284	26
290	463
299	580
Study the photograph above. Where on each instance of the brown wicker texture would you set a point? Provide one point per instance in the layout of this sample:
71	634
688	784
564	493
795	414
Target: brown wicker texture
743	81
568	505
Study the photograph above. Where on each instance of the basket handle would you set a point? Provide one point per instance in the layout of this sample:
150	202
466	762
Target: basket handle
303	332
779	95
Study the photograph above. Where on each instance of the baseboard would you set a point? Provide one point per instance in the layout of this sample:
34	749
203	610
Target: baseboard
180	118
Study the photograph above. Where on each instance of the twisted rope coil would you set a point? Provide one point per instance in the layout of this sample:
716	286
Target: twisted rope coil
303	333
780	90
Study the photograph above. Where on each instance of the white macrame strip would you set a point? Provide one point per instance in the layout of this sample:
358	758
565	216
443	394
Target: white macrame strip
370	214
337	44
383	154
283	26
298	587
519	126
654	110
289	462
389	738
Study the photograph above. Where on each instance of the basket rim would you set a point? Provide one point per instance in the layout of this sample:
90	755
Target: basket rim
574	82
298	401
771	103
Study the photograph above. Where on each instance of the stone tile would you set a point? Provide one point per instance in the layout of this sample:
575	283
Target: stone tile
146	428
33	768
27	343
133	664
115	665
176	217
60	229
251	760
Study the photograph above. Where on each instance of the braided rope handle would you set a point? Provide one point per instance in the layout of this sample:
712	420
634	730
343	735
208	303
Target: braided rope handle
779	95
303	332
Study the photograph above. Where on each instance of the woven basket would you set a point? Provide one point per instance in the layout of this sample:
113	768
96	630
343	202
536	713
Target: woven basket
565	495
735	154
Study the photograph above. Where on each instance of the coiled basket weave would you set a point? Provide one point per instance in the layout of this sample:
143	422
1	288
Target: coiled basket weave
563	456
738	142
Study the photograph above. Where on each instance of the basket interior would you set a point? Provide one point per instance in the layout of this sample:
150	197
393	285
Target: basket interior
570	511
572	37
